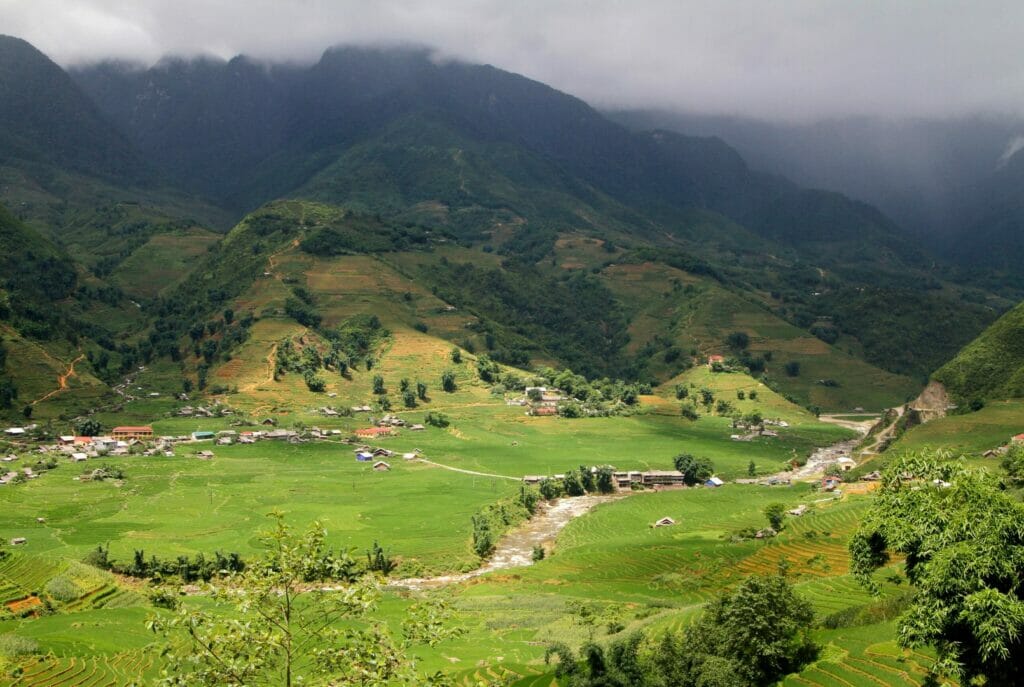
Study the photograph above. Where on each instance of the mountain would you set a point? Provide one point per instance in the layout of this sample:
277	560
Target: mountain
992	366
497	195
45	119
946	181
245	133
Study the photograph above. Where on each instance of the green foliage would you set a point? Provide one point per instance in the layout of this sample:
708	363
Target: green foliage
88	427
421	391
274	628
992	366
302	312
695	470
378	384
448	381
738	341
963	543
456	356
1013	463
436	419
776	515
314	382
689	411
353	232
792	368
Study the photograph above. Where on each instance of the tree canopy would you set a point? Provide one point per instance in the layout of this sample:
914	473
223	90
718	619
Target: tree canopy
963	541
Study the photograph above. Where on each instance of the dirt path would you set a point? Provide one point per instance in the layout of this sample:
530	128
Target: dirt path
862	426
515	550
62	381
467	472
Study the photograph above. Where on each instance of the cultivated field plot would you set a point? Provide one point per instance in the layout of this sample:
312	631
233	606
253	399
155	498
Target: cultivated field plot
972	433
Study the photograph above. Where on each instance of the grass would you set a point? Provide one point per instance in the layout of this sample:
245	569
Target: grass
971	434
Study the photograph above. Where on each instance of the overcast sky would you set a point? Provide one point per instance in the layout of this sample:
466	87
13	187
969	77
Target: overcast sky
792	59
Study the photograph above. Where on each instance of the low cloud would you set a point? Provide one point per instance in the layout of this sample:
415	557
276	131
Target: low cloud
789	59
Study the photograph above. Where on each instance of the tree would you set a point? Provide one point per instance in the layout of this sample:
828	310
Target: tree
409	399
456	356
689	411
758	633
776	514
738	341
682	392
1013	463
448	381
751	469
279	630
88	427
550	488
962	538
314	382
707	397
793	368
752	395
695	470
421	391
572	484
378	384
229	316
403	384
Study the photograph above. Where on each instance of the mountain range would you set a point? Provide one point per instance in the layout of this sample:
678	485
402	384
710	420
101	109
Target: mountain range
513	202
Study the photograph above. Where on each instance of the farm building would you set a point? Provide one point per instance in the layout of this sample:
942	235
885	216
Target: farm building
368	432
846	463
202	436
799	510
541	411
364	456
1018	439
18	541
381	466
712	359
830	482
665	522
14	431
416	428
409	456
205	455
132	432
714	482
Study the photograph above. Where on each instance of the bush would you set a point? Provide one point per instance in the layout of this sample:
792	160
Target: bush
435	419
793	368
63	589
448	381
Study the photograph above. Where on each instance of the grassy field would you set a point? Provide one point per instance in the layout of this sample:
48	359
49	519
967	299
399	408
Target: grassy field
971	434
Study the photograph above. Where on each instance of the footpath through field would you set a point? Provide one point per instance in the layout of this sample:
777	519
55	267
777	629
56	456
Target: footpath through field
468	472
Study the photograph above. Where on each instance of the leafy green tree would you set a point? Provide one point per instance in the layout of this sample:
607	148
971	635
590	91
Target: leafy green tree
88	427
403	384
229	316
689	411
776	514
448	381
752	395
456	356
604	480
751	469
793	368
1013	463
682	391
409	398
550	488
707	397
314	382
378	384
421	391
695	470
572	484
738	341
271	627
963	542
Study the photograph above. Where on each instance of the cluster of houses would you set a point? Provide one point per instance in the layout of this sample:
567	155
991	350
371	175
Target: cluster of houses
367	454
651	479
541	401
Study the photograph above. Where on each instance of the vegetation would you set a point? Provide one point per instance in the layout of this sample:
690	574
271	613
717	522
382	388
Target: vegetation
695	470
961	537
750	637
279	631
990	367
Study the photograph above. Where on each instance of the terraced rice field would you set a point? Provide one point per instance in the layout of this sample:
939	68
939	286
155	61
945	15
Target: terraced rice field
122	670
856	658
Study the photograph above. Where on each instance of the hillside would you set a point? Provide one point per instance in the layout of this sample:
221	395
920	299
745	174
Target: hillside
992	366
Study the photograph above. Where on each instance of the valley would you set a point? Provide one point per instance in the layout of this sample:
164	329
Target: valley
530	394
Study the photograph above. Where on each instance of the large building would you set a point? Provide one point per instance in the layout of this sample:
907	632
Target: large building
125	433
